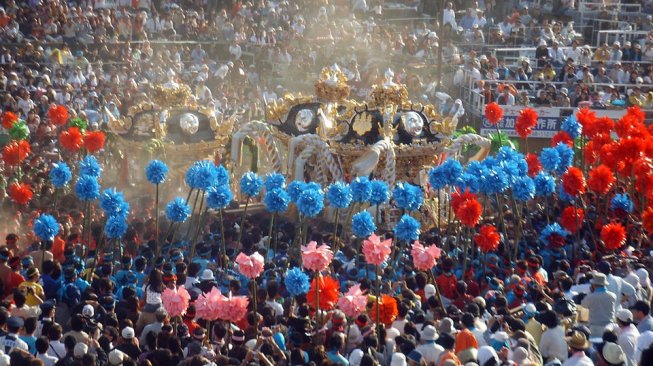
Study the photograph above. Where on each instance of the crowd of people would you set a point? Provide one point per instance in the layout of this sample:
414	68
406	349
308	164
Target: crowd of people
80	300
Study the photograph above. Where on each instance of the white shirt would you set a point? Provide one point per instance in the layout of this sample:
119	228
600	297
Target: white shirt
578	359
431	352
449	16
57	349
553	345
278	308
628	342
47	359
11	342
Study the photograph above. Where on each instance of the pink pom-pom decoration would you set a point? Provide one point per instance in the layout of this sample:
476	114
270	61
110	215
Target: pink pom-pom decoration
375	250
208	306
316	258
233	308
353	302
175	301
251	266
424	258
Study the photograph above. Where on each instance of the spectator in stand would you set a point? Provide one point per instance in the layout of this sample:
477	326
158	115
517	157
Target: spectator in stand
506	97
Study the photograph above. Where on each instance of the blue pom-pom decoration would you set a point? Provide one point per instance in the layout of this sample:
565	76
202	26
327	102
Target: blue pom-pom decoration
379	192
218	197
276	200
563	196
111	201
408	196
201	175
115	228
339	195
90	166
87	188
407	229
550	159
494	181
156	171
445	174
297	282
46	227
360	189
468	181
221	176
310	202
545	185
524	188
622	202
552	229
566	154
362	224
295	188
251	184
60	174
571	126
274	180
177	210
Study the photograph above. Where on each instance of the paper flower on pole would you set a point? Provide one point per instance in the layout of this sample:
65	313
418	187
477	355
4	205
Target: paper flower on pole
276	200
251	184
526	121
621	202
339	195
488	238
310	202
94	141
87	188
233	308
571	126
445	174
250	265
208	306
424	258
469	212
493	113
388	310
71	139
550	159
554	235
316	258
175	301
545	185
360	189
274	181
572	219
116	227
15	152
362	224
177	210
218	197
46	227
90	166
156	171
613	236
201	175
408	196
19	131
328	288
524	188
379	192
407	229
376	251
295	189
60	174
573	181
20	193
353	302
297	282
58	114
8	119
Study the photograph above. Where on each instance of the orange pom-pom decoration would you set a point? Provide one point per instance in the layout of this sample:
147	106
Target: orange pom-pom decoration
469	212
15	152
586	118
573	181
534	165
329	292
613	236
647	220
562	136
20	193
526	121
58	114
71	139
601	179
8	119
388	310
487	238
94	141
572	218
493	113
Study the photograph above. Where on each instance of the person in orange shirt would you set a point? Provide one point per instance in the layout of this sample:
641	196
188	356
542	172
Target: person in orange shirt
534	270
58	247
4	18
189	319
447	280
465	338
14	278
448	342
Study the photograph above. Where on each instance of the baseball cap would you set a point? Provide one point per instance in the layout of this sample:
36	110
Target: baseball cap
128	333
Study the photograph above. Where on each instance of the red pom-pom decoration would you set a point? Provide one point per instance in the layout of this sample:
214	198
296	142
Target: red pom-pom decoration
601	179
526	121
534	165
94	141
562	136
457	198
8	119
487	238
71	139
573	181
586	118
613	236
15	152
58	115
572	218
20	193
493	113
469	212
329	292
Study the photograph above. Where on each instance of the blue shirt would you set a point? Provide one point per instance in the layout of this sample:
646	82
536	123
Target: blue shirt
337	358
31	343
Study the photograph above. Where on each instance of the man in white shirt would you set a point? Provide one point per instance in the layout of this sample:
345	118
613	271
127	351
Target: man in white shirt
449	16
578	343
628	335
556	54
616	284
429	349
42	346
11	341
235	50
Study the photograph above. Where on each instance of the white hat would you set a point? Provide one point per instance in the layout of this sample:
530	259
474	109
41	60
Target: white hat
542	42
128	333
429	333
80	349
486	353
500	336
116	357
88	311
356	357
613	353
5	360
625	315
446	326
207	275
429	291
398	359
519	355
617	43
